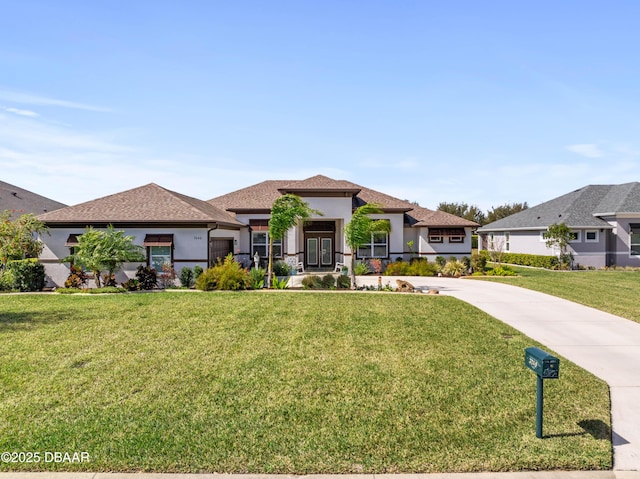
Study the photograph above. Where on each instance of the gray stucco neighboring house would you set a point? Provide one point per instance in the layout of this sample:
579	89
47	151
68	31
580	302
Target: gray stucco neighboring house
604	219
20	201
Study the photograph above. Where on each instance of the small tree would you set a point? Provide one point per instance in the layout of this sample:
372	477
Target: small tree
558	236
104	250
359	230
19	237
286	211
496	248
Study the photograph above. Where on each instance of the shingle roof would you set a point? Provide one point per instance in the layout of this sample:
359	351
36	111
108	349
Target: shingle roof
261	196
579	208
149	203
23	201
430	218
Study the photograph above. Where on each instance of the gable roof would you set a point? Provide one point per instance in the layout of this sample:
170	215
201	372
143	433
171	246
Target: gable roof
434	218
578	209
258	198
146	204
22	201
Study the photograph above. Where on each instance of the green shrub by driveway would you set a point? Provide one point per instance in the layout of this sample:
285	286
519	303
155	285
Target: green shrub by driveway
287	382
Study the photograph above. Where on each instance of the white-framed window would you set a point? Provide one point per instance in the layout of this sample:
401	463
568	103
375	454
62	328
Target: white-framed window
378	247
435	238
591	236
159	255
456	239
507	241
634	239
260	245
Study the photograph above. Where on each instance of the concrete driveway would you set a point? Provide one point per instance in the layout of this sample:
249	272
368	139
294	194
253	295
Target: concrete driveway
605	345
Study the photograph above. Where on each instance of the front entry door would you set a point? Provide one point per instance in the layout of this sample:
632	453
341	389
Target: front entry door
326	251
319	252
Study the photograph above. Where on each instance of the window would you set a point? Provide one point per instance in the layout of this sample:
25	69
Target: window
159	255
435	238
591	236
456	239
507	241
260	245
377	248
634	239
574	237
159	249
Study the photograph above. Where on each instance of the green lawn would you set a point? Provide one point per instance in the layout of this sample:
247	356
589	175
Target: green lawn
284	382
617	292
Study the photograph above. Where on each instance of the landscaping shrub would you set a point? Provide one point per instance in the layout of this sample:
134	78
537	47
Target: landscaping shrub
148	277
361	268
77	278
311	282
479	261
375	265
441	261
537	261
225	275
279	283
28	274
397	268
280	268
501	270
422	267
186	277
131	284
328	281
256	278
197	271
167	276
109	281
454	268
343	282
6	280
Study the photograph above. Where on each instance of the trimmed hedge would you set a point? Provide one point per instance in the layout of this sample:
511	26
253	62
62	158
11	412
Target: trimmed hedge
28	274
522	259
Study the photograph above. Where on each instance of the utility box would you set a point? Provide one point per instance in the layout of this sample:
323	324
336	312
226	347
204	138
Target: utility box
542	363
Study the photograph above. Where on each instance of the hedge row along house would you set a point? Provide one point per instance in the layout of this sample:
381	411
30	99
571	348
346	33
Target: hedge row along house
185	231
604	220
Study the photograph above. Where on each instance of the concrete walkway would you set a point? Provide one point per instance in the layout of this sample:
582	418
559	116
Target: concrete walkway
605	345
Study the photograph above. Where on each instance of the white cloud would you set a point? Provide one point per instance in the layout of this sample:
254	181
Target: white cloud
18	111
31	99
586	149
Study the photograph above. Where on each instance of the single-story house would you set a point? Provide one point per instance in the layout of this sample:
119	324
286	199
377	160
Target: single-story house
604	219
20	201
186	231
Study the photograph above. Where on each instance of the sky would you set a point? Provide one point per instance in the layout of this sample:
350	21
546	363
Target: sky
482	102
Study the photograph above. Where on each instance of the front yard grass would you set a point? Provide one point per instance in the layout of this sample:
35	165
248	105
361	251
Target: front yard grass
287	382
616	292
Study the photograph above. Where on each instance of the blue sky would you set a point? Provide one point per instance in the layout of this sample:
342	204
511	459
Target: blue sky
484	102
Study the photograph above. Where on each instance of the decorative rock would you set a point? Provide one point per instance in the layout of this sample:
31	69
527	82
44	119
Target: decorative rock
405	286
433	291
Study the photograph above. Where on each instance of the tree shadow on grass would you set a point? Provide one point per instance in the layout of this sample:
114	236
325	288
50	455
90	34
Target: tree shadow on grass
26	320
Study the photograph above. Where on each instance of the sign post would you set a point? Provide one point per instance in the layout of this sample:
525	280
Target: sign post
545	366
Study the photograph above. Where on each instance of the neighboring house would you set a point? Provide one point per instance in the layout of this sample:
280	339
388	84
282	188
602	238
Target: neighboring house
186	231
21	201
173	228
604	219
